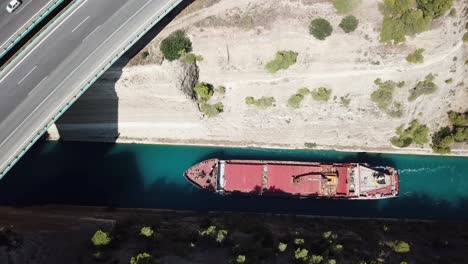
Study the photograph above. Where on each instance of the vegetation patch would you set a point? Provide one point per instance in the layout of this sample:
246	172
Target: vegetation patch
398	246
345	6
192	58
203	93
310	145
441	141
175	45
142	258
349	24
423	88
434	8
416	56
320	28
345	101
283	60
458	119
295	100
321	94
383	97
415	133
401	19
263	102
465	37
101	238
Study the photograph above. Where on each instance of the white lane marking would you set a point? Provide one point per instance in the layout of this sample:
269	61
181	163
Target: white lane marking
81	23
22	27
23	6
38	44
27	74
39	84
91	33
60	105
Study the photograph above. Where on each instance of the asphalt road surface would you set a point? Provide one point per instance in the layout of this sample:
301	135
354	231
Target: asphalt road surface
54	69
15	25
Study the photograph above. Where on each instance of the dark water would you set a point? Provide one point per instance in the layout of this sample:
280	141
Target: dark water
128	175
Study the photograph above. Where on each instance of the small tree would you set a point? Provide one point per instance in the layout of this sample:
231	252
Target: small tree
321	94
415	22
101	238
349	24
203	91
282	247
175	45
240	259
282	61
295	101
416	56
458	119
301	254
320	28
142	258
434	8
441	141
393	31
146	231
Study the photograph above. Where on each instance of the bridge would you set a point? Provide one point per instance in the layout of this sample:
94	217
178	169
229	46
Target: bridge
62	62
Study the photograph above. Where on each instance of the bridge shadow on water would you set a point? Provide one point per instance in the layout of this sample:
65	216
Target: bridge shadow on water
151	177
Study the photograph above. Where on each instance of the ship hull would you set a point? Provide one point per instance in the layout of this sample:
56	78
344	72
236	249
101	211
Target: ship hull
349	181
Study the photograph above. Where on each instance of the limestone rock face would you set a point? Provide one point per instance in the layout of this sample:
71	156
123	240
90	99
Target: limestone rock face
186	76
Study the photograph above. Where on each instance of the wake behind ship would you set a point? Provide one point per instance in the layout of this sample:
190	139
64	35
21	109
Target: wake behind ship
298	179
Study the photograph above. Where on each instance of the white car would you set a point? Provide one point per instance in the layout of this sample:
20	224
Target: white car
13	5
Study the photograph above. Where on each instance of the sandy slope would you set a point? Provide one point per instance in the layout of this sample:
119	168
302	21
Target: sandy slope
236	39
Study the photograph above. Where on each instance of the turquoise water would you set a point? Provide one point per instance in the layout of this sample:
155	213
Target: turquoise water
150	176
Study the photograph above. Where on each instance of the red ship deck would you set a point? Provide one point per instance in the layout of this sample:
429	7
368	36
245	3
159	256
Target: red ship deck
243	177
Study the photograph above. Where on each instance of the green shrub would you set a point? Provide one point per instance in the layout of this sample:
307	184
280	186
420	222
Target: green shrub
349	24
423	88
146	231
301	254
458	119
416	56
211	110
415	22
320	28
303	91
395	8
345	6
449	81
434	8
175	45
262	102
316	259
331	261
282	247
221	235
240	259
416	133
209	231
191	58
295	101
249	100
299	241
383	96
321	94
203	91
461	134
465	37
310	145
142	258
282	61
393	31
221	90
101	238
441	141
399	246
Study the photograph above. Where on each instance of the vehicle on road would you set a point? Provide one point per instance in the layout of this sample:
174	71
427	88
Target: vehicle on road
13	5
296	179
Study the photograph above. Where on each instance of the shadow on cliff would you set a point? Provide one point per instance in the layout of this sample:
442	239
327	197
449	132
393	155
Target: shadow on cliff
94	116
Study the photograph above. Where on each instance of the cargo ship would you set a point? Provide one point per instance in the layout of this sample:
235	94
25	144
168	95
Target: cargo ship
296	179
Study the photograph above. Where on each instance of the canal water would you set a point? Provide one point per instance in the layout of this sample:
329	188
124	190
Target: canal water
150	176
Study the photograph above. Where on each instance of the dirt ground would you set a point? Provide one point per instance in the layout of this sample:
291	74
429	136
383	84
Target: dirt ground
237	39
57	235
